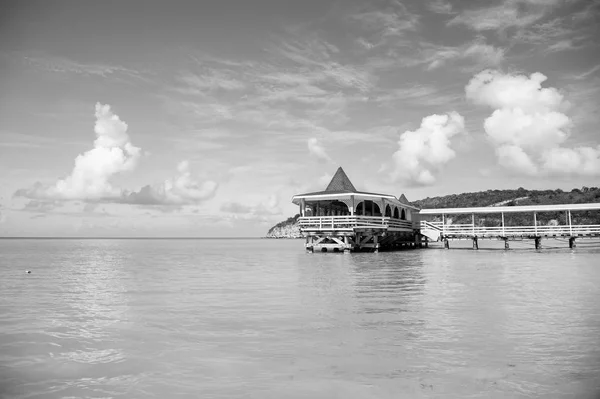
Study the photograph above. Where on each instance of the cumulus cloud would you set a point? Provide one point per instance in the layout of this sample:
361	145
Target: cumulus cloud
423	151
317	150
112	154
529	124
183	189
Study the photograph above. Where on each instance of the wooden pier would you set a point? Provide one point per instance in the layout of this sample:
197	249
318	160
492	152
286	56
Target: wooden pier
446	232
343	219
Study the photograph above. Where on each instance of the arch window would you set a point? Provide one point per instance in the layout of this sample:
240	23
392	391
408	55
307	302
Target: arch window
368	208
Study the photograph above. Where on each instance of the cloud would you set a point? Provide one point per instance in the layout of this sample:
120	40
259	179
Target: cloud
476	54
440	7
42	206
423	151
66	65
511	13
581	160
112	154
211	79
529	125
315	149
262	210
391	21
587	73
183	189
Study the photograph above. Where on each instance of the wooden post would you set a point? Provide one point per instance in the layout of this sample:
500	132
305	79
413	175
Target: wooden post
302	207
443	224
475	243
503	234
375	244
473	222
352	210
570	224
535	223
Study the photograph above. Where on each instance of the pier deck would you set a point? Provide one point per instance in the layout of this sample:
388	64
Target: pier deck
443	231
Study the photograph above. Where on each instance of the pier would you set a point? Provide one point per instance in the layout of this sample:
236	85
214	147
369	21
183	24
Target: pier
343	219
436	230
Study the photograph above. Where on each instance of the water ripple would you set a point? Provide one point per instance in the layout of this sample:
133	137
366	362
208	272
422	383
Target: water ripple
262	319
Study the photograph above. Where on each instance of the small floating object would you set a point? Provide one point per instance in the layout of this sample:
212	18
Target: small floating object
28	271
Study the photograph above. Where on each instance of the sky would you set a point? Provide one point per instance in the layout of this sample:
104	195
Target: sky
204	118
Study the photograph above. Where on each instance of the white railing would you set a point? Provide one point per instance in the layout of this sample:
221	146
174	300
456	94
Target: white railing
470	229
352	222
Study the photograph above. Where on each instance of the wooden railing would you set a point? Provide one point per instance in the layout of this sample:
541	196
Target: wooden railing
352	222
471	230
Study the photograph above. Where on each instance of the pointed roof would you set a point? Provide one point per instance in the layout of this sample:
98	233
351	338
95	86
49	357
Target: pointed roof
340	183
403	199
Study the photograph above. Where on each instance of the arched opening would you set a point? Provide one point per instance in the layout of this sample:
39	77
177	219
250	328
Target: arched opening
396	213
403	215
338	208
368	208
388	211
330	208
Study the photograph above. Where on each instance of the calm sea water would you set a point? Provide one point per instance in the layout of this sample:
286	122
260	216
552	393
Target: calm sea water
264	319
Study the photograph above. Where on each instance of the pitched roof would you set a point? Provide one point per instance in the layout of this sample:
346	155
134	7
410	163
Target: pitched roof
403	199
340	183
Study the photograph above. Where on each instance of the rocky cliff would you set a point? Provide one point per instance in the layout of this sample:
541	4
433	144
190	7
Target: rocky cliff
287	229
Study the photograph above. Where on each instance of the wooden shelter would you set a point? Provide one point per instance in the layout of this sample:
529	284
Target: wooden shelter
341	218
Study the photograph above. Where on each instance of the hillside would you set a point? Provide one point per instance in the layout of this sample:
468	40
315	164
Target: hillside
286	229
289	228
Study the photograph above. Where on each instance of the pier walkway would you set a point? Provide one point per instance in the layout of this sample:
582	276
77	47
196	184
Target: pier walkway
446	231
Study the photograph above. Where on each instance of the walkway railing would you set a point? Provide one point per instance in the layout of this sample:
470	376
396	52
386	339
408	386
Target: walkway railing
506	231
352	222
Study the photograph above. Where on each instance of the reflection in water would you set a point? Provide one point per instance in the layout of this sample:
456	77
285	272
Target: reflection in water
261	318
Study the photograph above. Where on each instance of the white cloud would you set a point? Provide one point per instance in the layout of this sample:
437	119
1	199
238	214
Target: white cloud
476	54
262	210
440	7
423	151
510	13
583	160
112	154
317	150
183	189
528	125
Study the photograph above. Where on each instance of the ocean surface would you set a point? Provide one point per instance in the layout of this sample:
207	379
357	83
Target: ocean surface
252	318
